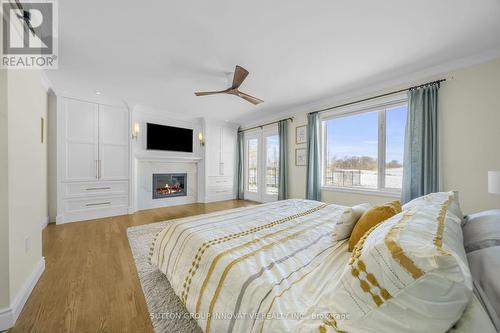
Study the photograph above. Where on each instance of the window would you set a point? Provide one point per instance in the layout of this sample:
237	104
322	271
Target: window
395	123
272	164
253	153
363	149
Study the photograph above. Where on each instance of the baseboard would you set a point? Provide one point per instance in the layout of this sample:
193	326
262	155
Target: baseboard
9	316
5	319
45	222
80	216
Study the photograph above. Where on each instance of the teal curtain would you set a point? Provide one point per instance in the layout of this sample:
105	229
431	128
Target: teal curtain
239	171
283	160
420	166
313	181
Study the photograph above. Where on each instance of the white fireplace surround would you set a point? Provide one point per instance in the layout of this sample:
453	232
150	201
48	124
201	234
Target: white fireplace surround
210	168
146	166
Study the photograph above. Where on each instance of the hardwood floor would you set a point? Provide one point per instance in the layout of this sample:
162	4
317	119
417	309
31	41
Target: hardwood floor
90	283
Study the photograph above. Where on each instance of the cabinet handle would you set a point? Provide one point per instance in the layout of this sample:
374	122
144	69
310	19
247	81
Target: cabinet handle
97	188
98	204
100	169
97	169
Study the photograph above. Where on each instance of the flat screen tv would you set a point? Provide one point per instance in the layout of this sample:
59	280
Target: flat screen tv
160	137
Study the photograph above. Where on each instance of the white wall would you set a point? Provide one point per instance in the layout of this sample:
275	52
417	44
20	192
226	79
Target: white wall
4	203
27	190
469	105
470	109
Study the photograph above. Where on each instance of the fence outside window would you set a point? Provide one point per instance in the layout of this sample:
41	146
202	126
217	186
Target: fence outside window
343	178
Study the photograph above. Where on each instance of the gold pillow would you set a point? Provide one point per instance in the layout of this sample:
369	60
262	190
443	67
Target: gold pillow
371	218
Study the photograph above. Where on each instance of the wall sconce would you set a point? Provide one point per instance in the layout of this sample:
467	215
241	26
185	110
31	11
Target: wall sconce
136	129
200	137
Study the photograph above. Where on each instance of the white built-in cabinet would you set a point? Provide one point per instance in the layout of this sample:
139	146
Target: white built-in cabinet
93	175
220	161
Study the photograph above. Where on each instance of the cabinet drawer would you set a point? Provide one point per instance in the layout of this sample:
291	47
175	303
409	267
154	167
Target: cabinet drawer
219	181
95	189
220	190
219	194
88	204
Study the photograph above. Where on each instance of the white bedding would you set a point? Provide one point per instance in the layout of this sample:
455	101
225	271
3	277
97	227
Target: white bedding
268	268
276	260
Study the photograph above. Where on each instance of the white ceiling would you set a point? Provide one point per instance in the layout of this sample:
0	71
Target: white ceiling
157	53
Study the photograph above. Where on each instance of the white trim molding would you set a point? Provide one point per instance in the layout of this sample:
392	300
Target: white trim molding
45	222
166	158
377	193
9	315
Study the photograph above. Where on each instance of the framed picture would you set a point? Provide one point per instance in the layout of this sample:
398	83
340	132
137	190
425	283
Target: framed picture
300	156
301	134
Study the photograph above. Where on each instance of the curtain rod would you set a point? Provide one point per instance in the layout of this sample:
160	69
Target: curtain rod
378	96
260	126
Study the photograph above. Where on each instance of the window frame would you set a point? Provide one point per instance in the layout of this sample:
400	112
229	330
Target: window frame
378	105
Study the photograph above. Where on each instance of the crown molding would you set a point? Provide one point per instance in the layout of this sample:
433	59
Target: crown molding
381	85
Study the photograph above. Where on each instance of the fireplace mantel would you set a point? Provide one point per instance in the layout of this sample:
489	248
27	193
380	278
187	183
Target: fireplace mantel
166	158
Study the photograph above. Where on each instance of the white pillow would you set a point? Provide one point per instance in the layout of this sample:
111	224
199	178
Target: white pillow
453	208
347	221
409	274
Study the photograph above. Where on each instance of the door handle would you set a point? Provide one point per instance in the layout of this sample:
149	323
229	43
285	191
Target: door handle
97	188
221	168
98	204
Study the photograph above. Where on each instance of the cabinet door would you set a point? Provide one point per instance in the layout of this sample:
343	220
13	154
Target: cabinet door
80	137
113	143
228	151
213	152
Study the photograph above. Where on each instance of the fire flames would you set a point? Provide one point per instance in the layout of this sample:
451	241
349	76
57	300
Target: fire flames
169	189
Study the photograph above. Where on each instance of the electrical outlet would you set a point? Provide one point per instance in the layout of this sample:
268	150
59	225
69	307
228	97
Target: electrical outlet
27	244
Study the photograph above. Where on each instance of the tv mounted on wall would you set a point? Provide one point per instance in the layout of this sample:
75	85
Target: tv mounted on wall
160	137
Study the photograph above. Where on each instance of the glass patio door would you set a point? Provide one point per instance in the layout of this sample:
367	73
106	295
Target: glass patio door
262	165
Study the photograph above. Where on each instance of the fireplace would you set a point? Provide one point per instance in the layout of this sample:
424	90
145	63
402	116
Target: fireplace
166	185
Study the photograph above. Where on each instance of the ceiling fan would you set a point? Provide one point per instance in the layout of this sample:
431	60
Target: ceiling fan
25	17
239	76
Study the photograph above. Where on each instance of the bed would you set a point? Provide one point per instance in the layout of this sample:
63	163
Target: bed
269	268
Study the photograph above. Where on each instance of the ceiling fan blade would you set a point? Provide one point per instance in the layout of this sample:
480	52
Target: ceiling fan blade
205	93
239	76
25	17
19	6
251	99
30	27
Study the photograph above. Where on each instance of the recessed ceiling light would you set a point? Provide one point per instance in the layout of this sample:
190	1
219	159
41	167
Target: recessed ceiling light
97	92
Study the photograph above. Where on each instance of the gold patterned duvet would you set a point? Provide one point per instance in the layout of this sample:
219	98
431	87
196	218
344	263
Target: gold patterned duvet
254	269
